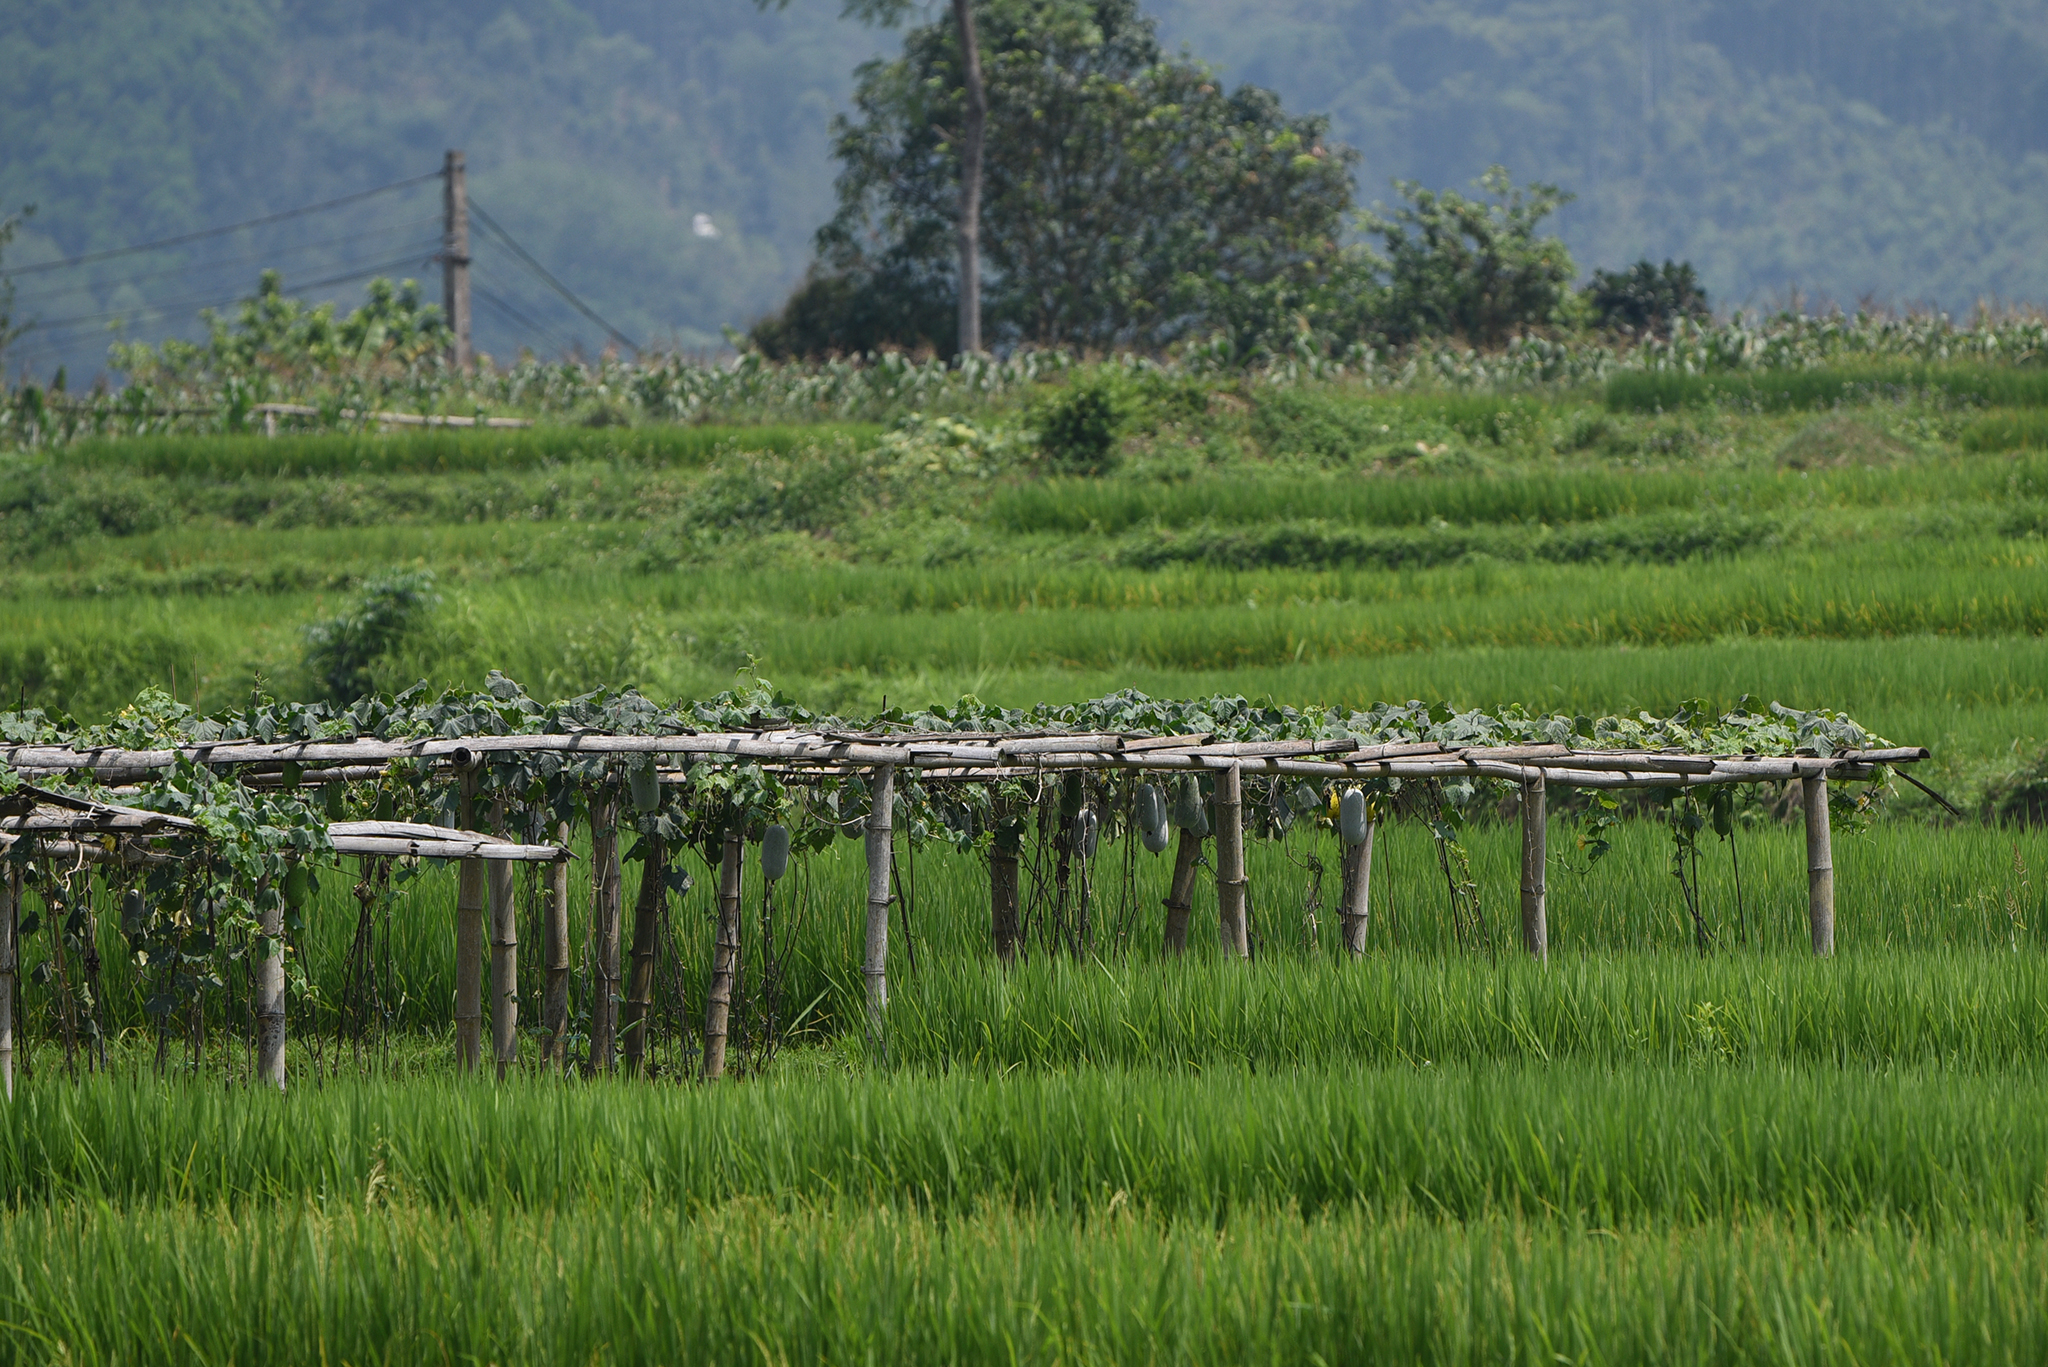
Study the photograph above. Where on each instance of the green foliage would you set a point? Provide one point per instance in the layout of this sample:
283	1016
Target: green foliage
1128	199
1646	298
1777	391
442	450
343	652
1472	268
1946	1149
1079	426
278	345
2025	430
1655	538
840	1285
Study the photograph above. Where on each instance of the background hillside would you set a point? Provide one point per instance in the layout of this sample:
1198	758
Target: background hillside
1896	149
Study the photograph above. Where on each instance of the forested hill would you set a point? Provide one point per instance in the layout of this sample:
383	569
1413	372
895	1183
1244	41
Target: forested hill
1848	148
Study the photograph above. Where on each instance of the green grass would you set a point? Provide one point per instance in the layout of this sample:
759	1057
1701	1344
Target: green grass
1776	391
1093	507
2025	429
340	1284
1587	1145
443	451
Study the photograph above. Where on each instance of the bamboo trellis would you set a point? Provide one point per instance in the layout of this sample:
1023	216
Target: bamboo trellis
63	824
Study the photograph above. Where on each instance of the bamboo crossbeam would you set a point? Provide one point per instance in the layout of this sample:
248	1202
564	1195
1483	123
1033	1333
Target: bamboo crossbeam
942	755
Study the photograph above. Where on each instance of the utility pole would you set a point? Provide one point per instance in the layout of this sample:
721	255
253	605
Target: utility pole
455	258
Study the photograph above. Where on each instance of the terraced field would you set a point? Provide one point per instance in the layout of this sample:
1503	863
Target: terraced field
1636	1153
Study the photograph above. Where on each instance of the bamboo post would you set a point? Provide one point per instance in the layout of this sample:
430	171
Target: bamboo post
1230	880
554	1008
1357	892
1002	895
504	966
10	916
1535	835
725	955
270	996
646	930
1180	893
875	961
469	939
1820	863
605	898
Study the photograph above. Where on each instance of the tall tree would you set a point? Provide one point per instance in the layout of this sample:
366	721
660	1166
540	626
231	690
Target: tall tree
1129	200
971	135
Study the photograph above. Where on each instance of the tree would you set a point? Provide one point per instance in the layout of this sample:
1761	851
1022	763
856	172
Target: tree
970	136
1645	299
1472	267
1130	200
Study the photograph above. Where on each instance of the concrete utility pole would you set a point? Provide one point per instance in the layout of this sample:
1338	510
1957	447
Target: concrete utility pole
455	258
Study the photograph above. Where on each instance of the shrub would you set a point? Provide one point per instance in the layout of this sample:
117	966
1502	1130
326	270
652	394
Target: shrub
1078	429
342	651
1646	299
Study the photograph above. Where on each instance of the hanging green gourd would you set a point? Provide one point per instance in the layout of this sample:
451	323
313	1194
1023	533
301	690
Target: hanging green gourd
1071	795
298	883
1087	831
1190	813
1152	827
775	852
645	782
334	800
1353	825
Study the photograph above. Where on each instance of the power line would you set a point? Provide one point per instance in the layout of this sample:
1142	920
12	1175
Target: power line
557	286
514	315
181	240
242	260
214	301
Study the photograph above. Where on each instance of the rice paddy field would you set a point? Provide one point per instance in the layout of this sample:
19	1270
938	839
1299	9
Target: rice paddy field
1638	1152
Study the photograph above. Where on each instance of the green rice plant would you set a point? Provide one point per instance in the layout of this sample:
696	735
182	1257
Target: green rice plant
338	1283
2022	429
1586	1144
1871	1008
442	451
1775	391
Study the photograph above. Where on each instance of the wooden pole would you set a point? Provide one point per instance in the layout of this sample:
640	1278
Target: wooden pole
725	955
1535	891
504	966
455	260
1230	880
646	930
1180	893
270	997
554	1008
1357	892
606	896
875	961
970	179
1002	896
1820	863
10	917
469	940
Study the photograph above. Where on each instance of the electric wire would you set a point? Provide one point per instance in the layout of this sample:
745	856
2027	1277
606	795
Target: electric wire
505	309
214	301
552	283
506	292
100	286
179	241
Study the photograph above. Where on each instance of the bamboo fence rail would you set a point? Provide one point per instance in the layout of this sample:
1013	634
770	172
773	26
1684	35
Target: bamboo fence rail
63	824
